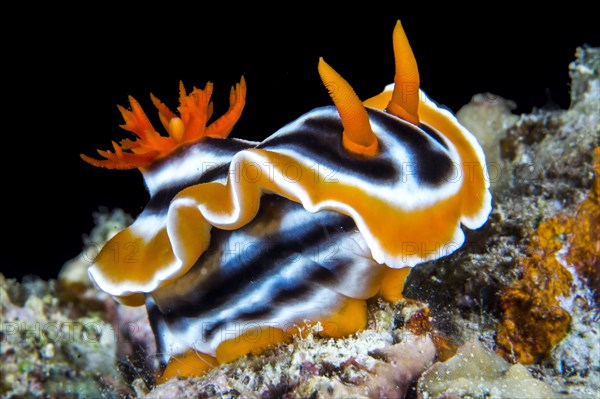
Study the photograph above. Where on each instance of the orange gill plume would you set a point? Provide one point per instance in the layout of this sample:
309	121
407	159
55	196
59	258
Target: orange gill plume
195	109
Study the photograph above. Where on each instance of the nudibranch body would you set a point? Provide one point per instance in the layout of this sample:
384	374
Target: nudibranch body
243	243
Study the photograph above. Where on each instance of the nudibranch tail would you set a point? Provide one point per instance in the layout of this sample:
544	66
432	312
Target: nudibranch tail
405	98
195	110
358	136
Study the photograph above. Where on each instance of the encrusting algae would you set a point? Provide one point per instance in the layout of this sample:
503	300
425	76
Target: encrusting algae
584	242
420	324
533	320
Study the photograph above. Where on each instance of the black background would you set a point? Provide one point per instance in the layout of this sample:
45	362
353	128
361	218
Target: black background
65	70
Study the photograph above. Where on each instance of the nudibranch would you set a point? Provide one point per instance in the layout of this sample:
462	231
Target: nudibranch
243	244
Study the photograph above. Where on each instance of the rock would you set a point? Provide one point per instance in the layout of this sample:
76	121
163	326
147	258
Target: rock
47	352
478	373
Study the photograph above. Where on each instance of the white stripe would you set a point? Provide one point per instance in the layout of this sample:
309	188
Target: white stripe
180	170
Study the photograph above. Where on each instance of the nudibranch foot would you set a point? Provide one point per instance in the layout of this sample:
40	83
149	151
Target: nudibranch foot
392	284
189	364
254	339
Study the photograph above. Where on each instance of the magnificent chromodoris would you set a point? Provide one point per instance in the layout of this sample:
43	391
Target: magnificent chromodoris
244	243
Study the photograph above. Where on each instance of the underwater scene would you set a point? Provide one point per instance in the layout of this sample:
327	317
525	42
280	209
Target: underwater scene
378	245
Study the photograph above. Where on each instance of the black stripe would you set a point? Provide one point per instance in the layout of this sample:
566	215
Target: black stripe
228	147
320	138
155	317
433	165
434	134
209	144
294	293
284	295
234	278
160	201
